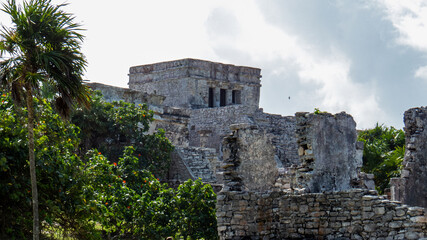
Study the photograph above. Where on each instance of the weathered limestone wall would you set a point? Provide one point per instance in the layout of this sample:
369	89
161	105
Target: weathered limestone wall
282	130
174	121
200	163
112	93
327	149
353	214
411	187
248	159
186	82
179	169
250	206
208	126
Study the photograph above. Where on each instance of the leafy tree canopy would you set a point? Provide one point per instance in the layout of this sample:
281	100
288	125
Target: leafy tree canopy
88	195
384	149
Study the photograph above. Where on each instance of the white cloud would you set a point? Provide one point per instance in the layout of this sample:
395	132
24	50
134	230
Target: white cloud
239	32
264	45
339	92
410	19
421	72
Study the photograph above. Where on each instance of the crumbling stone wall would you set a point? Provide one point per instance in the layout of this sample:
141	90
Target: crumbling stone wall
199	163
208	126
174	121
411	187
353	214
179	169
248	210
112	93
282	130
249	153
327	150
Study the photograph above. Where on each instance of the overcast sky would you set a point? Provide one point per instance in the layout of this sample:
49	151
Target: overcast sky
367	58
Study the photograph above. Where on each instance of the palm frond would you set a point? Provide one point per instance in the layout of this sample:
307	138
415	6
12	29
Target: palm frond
47	43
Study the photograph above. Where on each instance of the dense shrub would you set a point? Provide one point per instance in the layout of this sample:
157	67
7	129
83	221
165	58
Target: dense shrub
110	127
89	196
131	203
384	149
57	171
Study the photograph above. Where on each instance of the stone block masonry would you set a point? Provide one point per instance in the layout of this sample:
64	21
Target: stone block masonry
411	187
353	214
193	83
111	94
250	206
248	159
200	163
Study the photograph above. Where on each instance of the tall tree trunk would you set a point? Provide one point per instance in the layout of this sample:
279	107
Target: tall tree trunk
31	155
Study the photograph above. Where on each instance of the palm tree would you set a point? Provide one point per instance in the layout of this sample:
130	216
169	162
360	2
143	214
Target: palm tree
42	48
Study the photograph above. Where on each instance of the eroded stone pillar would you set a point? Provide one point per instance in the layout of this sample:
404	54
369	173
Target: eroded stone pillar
411	187
248	159
327	151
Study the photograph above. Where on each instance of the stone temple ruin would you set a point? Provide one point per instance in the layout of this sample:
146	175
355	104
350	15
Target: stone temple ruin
277	177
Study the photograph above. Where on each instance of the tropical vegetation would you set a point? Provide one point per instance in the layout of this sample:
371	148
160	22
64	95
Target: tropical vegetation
384	149
87	195
41	48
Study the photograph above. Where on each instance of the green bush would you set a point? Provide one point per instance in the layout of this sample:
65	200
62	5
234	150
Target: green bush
110	127
89	196
384	149
130	202
58	171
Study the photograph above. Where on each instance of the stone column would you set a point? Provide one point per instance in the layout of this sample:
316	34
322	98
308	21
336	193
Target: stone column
327	150
411	187
248	159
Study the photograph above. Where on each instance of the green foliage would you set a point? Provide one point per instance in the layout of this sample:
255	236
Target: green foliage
317	111
196	216
89	196
130	202
384	149
110	127
57	171
42	47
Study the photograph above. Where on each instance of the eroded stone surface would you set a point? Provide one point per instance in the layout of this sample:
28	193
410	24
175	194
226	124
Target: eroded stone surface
246	209
353	214
186	83
250	155
327	150
411	187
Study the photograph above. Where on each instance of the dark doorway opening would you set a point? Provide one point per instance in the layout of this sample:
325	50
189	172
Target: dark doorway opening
211	97
222	98
235	97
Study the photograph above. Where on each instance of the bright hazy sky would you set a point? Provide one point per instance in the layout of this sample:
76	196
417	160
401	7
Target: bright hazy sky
365	57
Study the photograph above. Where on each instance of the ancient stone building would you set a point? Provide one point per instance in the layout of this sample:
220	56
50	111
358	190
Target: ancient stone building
277	177
191	83
195	102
